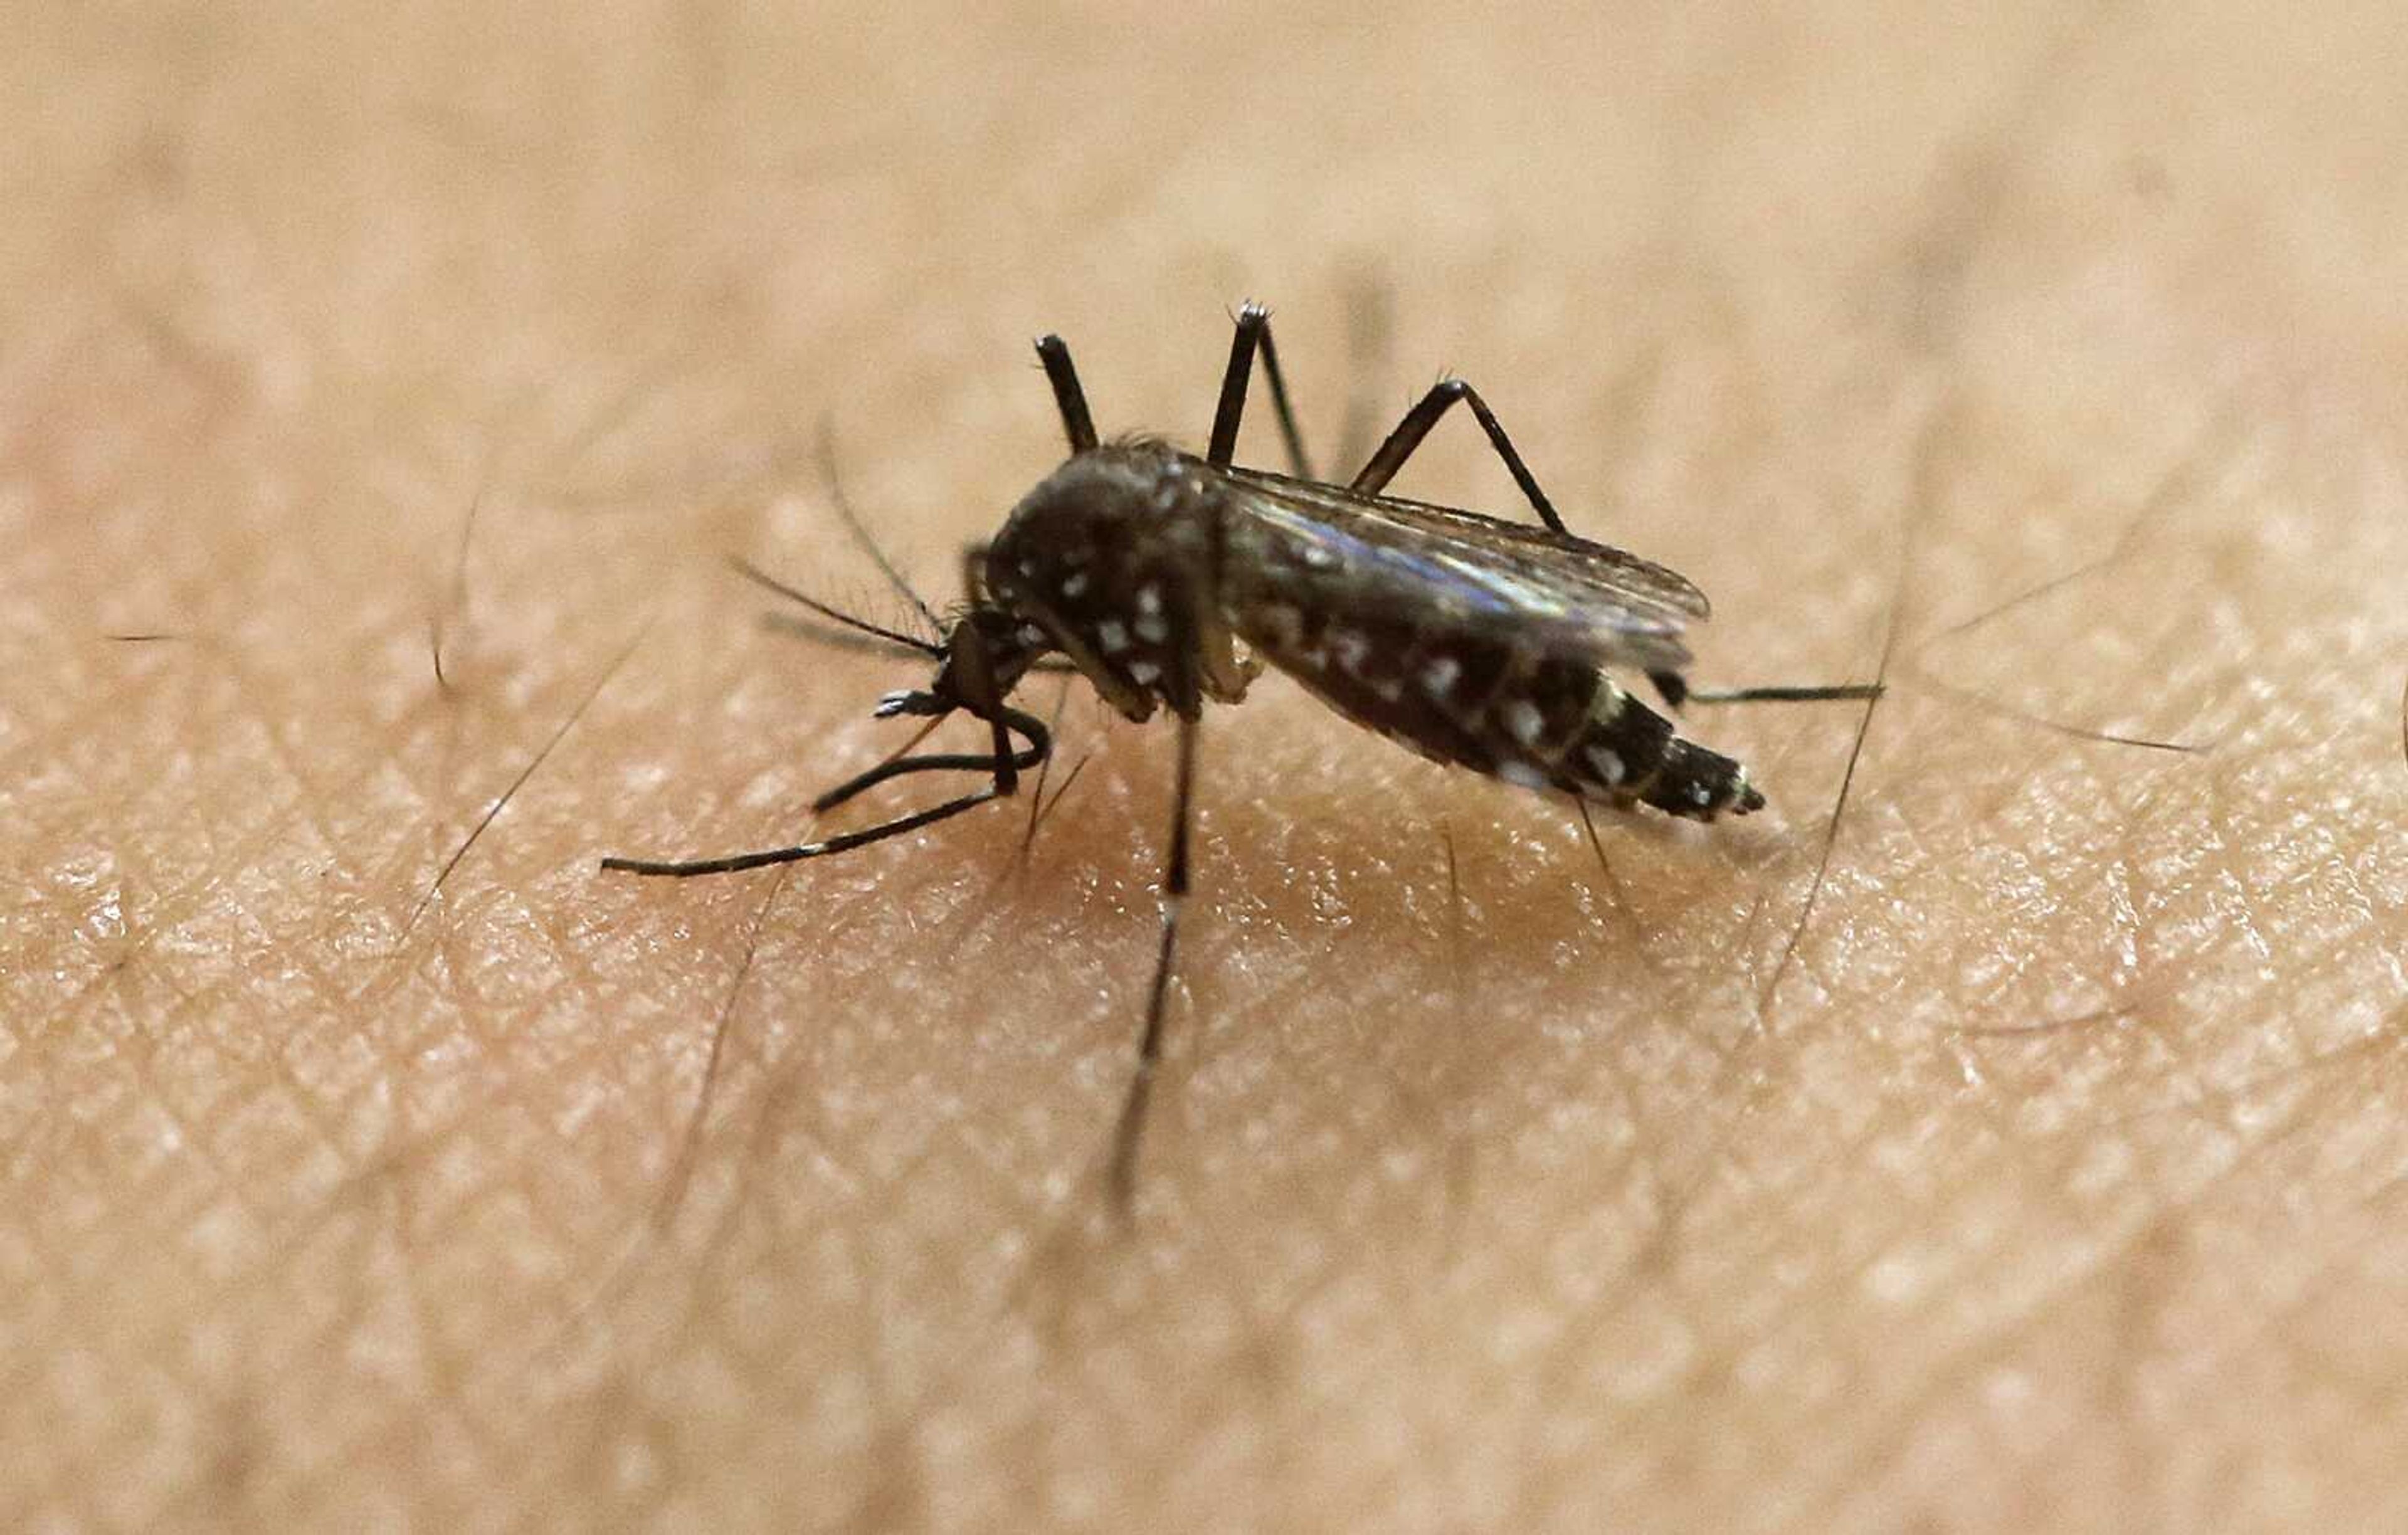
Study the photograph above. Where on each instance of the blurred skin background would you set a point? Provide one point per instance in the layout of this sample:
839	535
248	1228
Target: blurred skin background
379	395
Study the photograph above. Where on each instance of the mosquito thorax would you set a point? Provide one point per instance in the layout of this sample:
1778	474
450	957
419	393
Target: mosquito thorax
1096	562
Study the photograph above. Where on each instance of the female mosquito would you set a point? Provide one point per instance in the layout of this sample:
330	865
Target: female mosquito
1168	580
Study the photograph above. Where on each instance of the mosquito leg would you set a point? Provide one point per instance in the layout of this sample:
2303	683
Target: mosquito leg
1069	399
1416	425
1149	1048
1254	331
902	766
1006	766
1831	693
1677	691
687	869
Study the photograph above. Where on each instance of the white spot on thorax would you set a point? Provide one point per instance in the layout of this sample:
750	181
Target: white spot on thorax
1608	764
1523	721
1353	648
1074	583
1522	775
1111	637
1145	673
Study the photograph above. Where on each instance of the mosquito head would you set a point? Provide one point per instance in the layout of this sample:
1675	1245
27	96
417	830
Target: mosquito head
985	654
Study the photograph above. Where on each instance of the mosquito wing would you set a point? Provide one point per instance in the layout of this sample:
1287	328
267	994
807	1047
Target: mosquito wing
1327	548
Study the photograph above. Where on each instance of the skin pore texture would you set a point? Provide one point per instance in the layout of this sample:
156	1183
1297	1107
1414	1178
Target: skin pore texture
2048	1172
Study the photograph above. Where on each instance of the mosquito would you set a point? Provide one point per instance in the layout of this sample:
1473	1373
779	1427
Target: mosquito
1169	580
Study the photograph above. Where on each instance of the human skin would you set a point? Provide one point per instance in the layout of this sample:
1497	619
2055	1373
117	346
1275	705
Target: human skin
2020	1151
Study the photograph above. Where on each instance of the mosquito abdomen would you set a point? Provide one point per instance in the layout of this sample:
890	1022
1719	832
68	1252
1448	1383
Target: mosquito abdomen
1534	719
1630	752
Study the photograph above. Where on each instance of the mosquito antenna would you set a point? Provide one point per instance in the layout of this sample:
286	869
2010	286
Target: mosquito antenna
759	577
821	633
860	532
